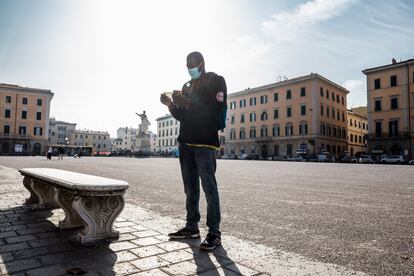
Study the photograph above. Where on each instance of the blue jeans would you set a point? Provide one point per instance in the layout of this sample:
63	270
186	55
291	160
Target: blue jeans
200	163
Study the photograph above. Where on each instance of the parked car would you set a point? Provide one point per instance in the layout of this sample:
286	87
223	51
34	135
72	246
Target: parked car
243	156
296	159
346	159
393	159
253	157
411	162
366	159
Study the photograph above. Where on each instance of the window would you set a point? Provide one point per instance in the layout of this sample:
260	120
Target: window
6	129
327	93
327	111
343	101
343	116
232	119
263	99
377	105
242	133
333	113
303	92
303	129
263	131
394	103
360	139
393	81
289	130
334	131
242	118
323	129
253	117
24	100
276	97
253	101
253	133
338	115
38	131
39	116
289	94
276	131
377	83
337	98
7	113
276	114
289	111
242	103
303	110
22	130
393	128
263	116
378	129
321	110
321	92
39	102
8	99
232	107
24	114
333	96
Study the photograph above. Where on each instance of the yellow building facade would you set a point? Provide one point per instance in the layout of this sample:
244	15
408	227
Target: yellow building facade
24	120
357	130
287	118
390	98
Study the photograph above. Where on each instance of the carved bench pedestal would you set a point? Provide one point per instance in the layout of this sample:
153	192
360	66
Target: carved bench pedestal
99	214
64	199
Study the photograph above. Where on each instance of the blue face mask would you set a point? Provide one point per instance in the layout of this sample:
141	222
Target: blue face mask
195	73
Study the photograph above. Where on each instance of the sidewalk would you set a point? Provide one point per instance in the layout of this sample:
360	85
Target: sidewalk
31	244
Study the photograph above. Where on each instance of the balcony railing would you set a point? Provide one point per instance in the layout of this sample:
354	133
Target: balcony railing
385	135
14	136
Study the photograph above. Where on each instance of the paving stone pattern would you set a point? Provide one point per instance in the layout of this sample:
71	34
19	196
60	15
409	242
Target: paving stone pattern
31	244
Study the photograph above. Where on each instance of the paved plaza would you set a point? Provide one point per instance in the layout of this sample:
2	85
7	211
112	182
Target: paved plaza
279	218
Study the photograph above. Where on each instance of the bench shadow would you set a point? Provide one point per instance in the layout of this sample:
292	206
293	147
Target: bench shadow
211	261
31	243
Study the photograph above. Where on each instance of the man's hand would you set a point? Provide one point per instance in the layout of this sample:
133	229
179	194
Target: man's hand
165	100
180	100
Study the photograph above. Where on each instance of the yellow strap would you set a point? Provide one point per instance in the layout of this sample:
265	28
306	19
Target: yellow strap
203	146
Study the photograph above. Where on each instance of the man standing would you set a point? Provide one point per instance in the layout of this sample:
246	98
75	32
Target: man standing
201	109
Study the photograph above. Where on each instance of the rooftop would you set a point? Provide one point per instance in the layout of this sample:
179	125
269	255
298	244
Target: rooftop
286	82
166	116
388	66
19	88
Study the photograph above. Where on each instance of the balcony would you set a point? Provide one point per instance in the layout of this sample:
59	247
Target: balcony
15	136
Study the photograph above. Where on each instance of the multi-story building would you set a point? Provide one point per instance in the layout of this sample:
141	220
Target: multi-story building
357	130
98	140
390	98
128	136
58	131
168	130
24	115
297	116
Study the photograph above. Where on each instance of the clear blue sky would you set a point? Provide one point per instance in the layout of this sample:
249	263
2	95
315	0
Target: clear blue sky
106	60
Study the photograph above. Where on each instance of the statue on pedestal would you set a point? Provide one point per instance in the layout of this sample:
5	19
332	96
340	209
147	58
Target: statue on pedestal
143	136
145	123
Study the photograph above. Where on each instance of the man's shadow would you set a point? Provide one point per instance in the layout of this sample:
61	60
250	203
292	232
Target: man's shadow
211	260
32	236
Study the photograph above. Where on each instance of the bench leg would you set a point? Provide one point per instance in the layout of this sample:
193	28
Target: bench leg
33	197
98	214
64	199
44	192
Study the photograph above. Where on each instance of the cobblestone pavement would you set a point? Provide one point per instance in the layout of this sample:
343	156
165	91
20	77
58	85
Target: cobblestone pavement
31	244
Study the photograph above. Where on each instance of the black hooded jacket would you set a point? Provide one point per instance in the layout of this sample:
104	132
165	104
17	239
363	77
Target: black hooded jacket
203	117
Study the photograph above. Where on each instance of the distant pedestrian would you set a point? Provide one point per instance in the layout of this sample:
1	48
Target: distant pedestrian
49	153
61	151
201	108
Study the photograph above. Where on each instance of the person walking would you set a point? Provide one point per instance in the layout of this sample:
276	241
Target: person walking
49	153
61	151
201	108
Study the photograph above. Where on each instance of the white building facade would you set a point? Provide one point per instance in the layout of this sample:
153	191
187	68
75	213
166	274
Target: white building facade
126	138
168	130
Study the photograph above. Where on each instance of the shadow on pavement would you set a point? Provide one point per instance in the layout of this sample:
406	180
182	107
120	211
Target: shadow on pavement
31	243
211	261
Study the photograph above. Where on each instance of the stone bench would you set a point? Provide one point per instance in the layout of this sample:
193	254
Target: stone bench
91	202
